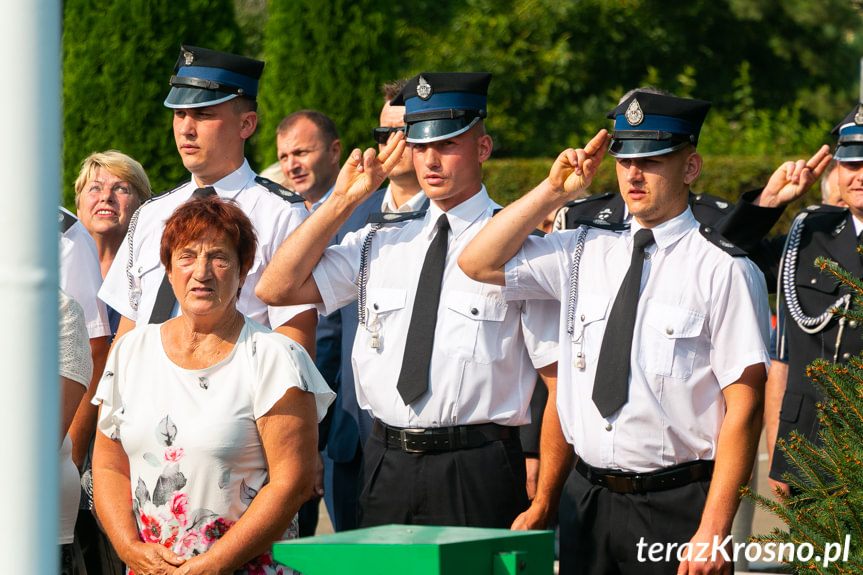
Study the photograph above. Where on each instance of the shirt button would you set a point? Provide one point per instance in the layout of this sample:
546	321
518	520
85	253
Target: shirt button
582	317
375	306
646	256
669	330
140	269
474	311
608	427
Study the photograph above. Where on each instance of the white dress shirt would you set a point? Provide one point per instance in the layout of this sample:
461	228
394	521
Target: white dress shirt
485	349
389	205
81	276
273	217
702	318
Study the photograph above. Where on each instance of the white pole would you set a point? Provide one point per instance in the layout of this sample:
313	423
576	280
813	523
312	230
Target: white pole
29	185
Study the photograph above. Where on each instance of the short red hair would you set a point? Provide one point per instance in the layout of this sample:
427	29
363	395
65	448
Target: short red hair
200	217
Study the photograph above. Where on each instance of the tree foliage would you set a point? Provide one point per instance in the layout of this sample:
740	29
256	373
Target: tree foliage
561	65
828	504
117	60
329	56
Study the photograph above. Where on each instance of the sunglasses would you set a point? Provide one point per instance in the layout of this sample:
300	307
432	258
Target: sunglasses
382	134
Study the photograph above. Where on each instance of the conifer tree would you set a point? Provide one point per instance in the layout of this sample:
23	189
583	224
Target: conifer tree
828	504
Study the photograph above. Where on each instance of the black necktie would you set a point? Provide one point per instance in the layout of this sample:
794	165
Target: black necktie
611	385
414	375
165	299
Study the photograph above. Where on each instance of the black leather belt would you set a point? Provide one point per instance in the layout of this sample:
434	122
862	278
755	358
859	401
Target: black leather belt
623	482
442	438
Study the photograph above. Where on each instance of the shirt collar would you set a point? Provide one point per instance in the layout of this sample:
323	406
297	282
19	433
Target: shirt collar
463	215
233	183
317	204
667	233
412	205
858	225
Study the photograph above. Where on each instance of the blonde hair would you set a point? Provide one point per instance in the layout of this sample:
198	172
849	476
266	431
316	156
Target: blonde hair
119	164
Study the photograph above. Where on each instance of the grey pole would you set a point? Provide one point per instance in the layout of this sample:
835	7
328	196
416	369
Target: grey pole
30	174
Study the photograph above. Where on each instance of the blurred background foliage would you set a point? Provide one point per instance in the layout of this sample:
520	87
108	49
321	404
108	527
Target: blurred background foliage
780	73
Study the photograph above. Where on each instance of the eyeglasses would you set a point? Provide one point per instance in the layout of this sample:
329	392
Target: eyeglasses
382	134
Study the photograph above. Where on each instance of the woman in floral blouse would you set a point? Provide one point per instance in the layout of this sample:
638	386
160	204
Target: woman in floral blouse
209	421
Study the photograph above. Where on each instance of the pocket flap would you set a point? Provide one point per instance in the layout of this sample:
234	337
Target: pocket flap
591	308
671	321
476	306
381	300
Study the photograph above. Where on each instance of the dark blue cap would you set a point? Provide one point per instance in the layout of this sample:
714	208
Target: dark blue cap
205	77
850	132
648	124
440	105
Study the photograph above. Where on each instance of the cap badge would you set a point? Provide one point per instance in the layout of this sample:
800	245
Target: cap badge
634	115
424	89
190	57
858	117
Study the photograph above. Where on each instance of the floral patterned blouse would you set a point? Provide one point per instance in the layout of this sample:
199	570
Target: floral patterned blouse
195	457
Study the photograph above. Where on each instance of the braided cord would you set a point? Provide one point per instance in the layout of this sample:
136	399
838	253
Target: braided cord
573	281
134	290
363	277
787	272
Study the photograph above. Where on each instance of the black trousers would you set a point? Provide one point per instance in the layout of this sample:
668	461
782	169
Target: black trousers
600	531
478	487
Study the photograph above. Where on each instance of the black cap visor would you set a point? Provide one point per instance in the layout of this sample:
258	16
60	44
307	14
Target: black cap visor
849	152
435	130
642	147
184	97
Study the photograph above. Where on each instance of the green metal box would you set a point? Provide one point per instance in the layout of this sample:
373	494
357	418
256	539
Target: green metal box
421	550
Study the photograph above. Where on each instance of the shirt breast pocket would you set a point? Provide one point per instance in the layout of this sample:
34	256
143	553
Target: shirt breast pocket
141	267
472	326
382	307
591	311
670	339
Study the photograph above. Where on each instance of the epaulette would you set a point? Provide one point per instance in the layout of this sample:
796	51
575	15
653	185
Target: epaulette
712	201
393	218
717	239
535	232
823	216
592	198
163	194
279	190
67	220
601	224
598	210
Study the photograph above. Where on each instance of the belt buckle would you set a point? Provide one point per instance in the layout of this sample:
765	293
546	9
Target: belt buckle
637	483
406	436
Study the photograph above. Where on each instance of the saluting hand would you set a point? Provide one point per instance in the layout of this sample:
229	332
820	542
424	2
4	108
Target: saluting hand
573	170
364	172
793	179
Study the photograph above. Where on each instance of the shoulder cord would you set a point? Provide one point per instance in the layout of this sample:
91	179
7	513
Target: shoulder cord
573	281
134	291
363	277
787	273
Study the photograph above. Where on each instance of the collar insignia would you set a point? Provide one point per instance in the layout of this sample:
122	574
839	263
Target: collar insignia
190	57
